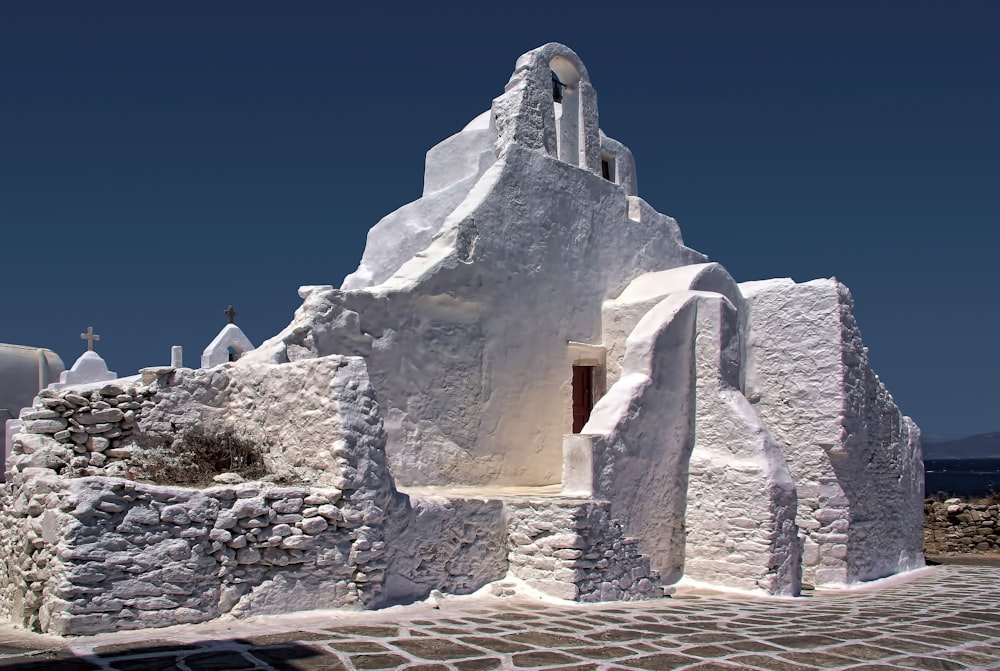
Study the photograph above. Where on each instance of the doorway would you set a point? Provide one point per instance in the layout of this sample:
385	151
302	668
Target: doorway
583	396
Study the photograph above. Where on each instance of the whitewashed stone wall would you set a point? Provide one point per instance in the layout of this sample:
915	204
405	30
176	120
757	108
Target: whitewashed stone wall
855	458
683	458
77	433
105	554
99	432
88	553
575	550
641	434
741	506
101	549
466	339
738	517
449	544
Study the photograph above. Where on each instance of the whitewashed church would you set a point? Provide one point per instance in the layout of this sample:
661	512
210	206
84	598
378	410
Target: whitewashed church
529	377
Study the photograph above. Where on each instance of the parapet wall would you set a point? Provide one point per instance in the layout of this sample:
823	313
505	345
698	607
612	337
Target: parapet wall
956	526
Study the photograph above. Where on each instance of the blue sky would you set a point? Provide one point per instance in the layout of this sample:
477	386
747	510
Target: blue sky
160	162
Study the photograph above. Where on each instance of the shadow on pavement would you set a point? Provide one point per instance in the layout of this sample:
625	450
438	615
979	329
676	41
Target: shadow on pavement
218	655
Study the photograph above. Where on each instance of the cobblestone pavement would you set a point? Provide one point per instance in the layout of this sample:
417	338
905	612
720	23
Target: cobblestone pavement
943	617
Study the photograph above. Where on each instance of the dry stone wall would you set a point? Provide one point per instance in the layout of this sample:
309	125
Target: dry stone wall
97	554
957	526
77	433
575	550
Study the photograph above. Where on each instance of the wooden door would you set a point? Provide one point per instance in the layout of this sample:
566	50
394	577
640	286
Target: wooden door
583	395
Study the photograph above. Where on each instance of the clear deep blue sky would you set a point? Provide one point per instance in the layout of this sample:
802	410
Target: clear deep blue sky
159	161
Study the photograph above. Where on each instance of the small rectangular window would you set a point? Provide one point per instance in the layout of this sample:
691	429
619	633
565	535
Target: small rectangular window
608	168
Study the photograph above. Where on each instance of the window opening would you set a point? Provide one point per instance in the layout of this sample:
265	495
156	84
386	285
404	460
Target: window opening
608	168
233	354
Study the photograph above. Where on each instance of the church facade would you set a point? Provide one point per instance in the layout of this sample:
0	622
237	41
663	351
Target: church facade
532	321
529	375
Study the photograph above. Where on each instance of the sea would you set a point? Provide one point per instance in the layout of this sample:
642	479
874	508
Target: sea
969	478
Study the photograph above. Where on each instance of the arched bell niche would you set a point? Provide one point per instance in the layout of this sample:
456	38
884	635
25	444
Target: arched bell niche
566	97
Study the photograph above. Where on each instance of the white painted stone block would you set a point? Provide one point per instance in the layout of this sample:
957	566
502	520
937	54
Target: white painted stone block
578	465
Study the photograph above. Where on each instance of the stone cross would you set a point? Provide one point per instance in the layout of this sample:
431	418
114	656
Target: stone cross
231	313
90	337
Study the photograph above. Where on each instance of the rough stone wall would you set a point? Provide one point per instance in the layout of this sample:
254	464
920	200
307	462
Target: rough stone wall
956	526
305	417
576	550
77	433
849	448
31	524
106	553
882	450
450	544
122	555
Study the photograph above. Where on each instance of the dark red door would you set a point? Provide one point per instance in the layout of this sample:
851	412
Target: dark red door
583	395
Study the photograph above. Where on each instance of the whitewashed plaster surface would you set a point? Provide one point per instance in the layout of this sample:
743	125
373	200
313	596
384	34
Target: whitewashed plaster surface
741	505
24	371
89	367
466	340
231	337
642	433
621	314
855	458
687	464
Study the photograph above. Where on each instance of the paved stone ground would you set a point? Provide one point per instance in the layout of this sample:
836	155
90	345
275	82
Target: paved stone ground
940	618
